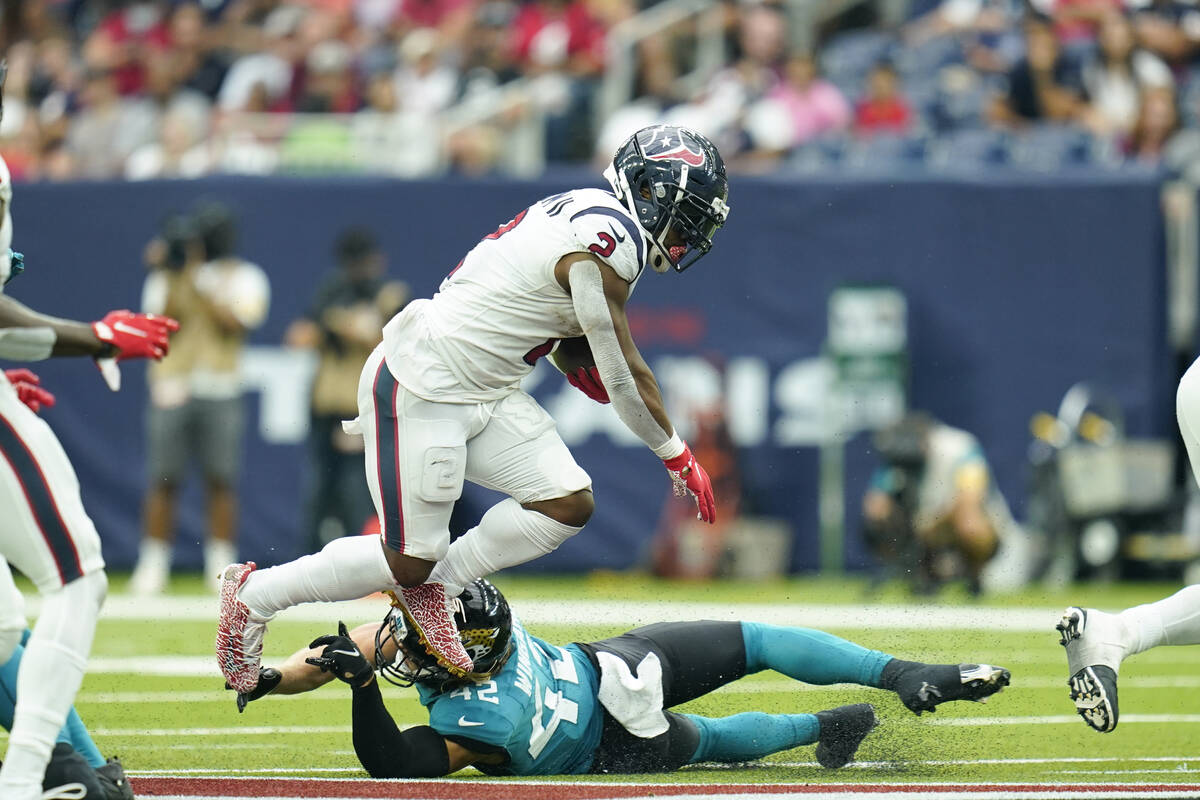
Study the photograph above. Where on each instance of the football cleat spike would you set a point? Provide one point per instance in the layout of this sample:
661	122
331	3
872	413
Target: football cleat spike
1070	627
1094	692
1093	685
113	781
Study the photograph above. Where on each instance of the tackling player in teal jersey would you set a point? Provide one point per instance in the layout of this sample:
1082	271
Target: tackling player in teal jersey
534	708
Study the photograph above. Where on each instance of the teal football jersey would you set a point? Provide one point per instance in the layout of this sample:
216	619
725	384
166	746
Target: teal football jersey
541	708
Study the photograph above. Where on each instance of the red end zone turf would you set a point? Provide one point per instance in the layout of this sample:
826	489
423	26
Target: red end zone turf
518	790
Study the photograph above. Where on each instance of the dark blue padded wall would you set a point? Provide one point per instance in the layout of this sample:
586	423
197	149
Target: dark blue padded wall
1017	288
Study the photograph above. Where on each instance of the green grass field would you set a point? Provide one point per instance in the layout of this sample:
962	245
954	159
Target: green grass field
163	720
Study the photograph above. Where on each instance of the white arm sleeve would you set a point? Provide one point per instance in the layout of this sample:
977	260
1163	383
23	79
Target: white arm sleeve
27	344
591	307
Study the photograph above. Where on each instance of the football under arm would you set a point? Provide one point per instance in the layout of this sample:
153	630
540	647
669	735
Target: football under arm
26	335
598	295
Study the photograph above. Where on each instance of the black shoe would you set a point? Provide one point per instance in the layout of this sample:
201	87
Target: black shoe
924	687
113	781
1094	691
68	773
268	679
842	730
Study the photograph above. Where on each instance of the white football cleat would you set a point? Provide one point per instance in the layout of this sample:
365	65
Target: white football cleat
1095	649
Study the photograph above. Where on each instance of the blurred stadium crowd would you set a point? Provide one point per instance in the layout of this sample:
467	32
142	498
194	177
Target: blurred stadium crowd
181	88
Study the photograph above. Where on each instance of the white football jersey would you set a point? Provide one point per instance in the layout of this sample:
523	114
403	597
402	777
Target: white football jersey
501	309
6	228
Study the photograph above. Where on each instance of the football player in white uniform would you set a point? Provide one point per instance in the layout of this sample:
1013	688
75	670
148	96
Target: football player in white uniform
44	530
1098	642
439	400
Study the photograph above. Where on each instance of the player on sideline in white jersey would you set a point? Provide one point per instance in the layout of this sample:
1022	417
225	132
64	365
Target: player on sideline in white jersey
439	400
44	530
1097	642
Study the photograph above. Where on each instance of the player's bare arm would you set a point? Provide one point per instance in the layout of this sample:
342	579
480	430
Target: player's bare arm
598	295
27	335
64	337
615	295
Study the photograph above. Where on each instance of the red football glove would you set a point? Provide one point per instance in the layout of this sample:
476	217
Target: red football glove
29	390
135	335
587	380
690	477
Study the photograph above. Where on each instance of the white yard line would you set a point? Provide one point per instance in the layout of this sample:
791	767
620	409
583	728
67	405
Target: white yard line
236	730
1060	719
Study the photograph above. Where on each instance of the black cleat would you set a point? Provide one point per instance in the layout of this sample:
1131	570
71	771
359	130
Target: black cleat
113	781
924	687
842	731
268	679
69	775
1094	692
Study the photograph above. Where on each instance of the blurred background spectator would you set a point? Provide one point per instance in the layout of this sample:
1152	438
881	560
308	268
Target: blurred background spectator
882	108
342	326
196	412
182	88
932	513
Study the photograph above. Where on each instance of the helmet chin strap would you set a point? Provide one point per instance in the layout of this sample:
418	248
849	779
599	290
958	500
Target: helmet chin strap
660	260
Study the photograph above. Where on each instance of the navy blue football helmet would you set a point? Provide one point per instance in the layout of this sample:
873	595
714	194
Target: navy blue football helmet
672	179
484	623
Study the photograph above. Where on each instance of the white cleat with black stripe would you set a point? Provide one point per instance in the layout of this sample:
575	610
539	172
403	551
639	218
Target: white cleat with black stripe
1093	656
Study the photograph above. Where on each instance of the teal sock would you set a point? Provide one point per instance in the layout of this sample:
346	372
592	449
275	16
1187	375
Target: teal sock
810	656
73	732
745	737
77	736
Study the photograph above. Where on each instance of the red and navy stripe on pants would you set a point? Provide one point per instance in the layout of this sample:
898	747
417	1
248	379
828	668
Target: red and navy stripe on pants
41	502
387	452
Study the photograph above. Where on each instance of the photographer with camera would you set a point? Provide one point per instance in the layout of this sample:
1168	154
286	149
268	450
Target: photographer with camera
196	411
932	511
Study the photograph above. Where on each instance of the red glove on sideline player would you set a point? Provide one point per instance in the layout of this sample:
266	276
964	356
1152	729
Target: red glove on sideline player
587	380
29	390
135	335
688	476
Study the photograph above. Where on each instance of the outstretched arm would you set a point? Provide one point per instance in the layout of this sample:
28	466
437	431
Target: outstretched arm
598	295
384	750
26	335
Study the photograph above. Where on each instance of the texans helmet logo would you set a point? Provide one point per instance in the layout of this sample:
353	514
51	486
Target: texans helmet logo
668	145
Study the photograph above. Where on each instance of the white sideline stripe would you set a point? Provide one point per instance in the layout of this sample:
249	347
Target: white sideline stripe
167	666
964	762
1180	770
249	730
220	771
217	696
867	792
589	612
1182	760
1059	719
